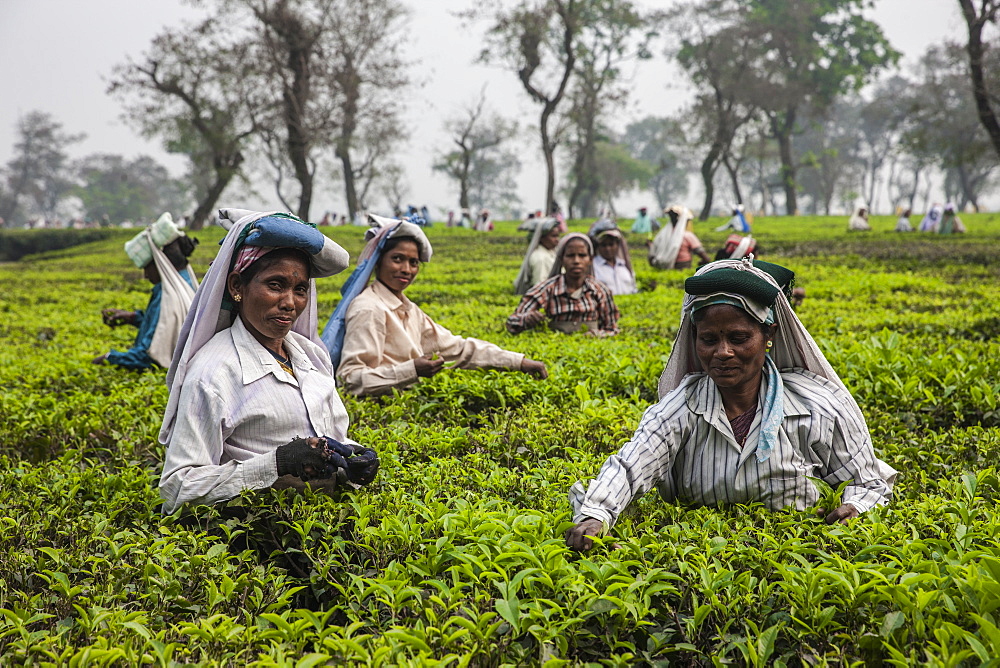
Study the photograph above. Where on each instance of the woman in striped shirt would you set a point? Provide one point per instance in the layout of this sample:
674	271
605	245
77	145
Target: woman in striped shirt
572	299
749	410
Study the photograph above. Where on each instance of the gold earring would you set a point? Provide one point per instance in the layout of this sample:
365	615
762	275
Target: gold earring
237	298
768	344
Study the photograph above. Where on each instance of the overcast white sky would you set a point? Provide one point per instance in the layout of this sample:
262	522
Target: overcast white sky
55	56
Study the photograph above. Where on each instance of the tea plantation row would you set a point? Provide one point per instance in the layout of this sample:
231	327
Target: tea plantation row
454	556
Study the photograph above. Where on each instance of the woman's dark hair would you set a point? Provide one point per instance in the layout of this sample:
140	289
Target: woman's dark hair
179	250
700	314
271	259
395	241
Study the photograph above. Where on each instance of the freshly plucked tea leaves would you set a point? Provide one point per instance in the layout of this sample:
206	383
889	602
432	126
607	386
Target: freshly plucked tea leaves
454	555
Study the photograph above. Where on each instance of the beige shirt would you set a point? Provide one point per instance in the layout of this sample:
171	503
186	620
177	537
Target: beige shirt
385	333
540	262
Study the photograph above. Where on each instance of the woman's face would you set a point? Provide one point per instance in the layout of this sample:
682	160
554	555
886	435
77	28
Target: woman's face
576	259
397	268
607	247
730	346
273	299
550	239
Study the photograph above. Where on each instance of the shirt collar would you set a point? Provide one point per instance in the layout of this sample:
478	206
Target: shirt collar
562	288
389	298
707	398
256	362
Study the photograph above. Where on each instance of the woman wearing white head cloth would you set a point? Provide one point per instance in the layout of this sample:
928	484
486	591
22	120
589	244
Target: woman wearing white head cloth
389	342
253	403
859	219
749	410
674	245
162	252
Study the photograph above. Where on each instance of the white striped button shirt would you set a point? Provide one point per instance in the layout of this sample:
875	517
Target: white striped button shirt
685	447
236	407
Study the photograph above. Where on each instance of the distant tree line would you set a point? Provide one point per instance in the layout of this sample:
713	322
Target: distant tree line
800	105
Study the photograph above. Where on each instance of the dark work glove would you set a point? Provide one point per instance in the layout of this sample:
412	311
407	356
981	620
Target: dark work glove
300	459
360	463
362	467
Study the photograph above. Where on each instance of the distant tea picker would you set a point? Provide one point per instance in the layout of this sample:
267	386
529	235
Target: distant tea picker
749	410
162	252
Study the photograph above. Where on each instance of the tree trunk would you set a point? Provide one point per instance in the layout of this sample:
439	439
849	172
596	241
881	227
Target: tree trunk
463	181
734	177
548	150
349	191
784	137
298	143
976	51
223	175
708	167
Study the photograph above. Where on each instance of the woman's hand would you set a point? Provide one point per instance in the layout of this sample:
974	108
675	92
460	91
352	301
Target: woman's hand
533	319
427	367
842	514
100	359
534	368
578	537
360	463
362	467
115	316
305	458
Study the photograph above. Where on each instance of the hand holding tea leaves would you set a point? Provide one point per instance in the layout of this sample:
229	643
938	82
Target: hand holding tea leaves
578	537
113	317
361	463
843	514
534	368
427	365
306	458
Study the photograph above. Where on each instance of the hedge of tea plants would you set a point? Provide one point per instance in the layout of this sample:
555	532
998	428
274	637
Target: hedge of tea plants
454	556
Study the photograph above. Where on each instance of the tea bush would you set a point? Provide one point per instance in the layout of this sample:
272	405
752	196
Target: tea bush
454	556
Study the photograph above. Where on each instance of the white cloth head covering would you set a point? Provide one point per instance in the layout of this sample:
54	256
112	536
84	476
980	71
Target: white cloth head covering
381	226
859	223
206	316
612	230
667	243
932	218
159	234
538	228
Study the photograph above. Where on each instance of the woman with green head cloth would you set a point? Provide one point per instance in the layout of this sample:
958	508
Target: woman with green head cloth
749	410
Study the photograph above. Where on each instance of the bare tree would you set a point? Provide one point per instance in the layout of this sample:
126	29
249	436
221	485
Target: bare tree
537	39
195	89
368	74
477	136
976	19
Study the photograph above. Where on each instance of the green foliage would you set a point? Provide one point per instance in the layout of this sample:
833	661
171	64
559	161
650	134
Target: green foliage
455	556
